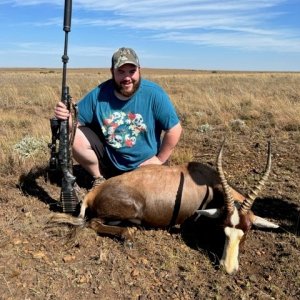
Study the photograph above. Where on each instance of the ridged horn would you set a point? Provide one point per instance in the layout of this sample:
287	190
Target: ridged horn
248	202
229	202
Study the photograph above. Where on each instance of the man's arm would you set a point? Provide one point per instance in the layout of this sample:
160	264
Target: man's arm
170	140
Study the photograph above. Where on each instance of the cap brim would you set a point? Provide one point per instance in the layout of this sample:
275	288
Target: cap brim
127	62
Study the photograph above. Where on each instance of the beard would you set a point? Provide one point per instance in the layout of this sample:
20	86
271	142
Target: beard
120	89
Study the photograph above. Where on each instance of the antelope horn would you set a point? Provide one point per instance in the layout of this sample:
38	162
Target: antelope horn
229	202
248	202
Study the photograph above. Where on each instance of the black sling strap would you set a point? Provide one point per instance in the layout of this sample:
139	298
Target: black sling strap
177	201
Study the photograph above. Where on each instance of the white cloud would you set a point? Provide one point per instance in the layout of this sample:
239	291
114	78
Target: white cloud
246	41
246	24
57	49
30	2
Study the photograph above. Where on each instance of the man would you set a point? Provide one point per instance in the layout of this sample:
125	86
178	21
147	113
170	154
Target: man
121	121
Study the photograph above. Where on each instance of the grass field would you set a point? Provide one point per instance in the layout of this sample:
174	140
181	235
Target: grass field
248	108
206	101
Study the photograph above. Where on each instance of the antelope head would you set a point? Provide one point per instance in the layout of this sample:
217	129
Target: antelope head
238	215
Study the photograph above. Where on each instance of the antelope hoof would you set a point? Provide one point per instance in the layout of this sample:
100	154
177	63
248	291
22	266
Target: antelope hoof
128	236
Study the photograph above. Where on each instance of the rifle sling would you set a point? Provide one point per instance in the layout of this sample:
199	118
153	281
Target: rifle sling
177	202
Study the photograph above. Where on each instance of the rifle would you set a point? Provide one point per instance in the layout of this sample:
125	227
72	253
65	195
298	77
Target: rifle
61	156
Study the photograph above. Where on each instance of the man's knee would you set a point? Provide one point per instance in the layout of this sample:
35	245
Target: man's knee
80	141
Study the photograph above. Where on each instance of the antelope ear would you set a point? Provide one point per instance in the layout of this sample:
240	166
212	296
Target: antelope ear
210	213
263	223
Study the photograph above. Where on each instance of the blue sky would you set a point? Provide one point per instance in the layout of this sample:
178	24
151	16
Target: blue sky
255	35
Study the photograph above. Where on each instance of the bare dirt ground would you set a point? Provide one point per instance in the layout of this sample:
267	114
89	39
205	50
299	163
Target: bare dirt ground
181	264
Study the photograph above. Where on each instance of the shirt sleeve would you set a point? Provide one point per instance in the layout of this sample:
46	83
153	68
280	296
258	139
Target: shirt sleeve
164	111
86	107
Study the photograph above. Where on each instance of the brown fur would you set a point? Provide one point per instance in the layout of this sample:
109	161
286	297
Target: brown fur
148	194
161	196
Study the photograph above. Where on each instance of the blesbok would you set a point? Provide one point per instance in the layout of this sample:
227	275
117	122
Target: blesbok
162	196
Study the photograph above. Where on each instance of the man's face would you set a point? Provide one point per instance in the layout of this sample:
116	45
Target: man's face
126	79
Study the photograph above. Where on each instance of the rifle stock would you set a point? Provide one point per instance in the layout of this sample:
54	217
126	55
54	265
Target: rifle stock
62	158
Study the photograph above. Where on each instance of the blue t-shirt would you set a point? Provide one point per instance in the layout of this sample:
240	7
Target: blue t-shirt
132	128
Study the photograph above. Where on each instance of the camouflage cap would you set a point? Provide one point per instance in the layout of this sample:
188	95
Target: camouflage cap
124	56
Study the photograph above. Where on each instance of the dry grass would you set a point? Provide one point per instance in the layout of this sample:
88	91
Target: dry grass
206	101
248	108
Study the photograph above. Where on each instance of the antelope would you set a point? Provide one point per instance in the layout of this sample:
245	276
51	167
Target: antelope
162	196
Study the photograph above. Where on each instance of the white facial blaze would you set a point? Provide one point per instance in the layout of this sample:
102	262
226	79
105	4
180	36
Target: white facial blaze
230	257
235	218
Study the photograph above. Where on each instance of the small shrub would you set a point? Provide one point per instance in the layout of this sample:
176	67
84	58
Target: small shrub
237	125
205	128
29	146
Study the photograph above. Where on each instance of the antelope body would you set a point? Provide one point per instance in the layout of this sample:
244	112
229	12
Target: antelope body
162	196
147	195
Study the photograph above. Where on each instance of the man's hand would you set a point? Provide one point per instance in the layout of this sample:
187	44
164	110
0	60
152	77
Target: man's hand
152	161
61	112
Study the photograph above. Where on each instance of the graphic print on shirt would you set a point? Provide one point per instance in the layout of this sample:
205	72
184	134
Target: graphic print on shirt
122	129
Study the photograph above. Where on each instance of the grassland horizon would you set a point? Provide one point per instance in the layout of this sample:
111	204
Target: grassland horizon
206	101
